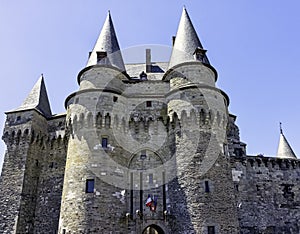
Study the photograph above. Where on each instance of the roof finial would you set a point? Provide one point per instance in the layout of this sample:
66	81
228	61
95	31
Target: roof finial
280	125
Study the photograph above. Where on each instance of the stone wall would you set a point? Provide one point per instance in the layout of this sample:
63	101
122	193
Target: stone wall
29	139
132	139
51	177
268	194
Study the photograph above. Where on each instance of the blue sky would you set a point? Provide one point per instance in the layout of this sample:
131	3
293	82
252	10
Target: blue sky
254	46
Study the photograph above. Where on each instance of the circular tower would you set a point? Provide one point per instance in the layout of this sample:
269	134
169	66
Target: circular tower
202	189
92	201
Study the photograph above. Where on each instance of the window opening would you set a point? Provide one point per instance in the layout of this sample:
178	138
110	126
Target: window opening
90	184
206	184
151	178
104	142
211	230
149	104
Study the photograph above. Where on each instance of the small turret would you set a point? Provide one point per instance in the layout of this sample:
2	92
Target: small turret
107	50
187	46
37	99
284	148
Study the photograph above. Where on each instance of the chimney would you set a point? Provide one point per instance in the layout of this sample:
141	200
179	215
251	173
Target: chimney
148	60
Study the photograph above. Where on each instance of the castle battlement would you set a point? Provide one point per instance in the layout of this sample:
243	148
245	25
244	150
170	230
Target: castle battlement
146	148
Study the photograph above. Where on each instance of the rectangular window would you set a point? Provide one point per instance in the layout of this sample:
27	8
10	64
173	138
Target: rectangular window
115	99
101	57
90	184
104	142
206	184
143	154
148	104
151	178
211	230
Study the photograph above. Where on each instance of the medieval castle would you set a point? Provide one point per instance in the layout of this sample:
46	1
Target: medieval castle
142	148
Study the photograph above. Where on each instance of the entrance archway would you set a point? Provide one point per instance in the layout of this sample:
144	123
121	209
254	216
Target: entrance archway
153	229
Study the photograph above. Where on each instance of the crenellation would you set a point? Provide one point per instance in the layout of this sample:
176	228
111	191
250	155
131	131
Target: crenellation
135	152
268	186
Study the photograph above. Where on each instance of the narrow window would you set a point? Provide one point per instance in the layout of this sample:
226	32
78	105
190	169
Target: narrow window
104	142
151	178
76	100
206	185
149	104
211	230
64	231
143	154
89	187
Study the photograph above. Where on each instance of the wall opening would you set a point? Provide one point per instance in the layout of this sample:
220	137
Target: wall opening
153	229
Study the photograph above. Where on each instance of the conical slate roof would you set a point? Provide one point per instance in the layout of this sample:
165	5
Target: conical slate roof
284	148
186	42
107	42
37	99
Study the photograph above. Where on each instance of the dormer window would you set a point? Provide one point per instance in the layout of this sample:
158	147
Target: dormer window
199	54
143	76
101	57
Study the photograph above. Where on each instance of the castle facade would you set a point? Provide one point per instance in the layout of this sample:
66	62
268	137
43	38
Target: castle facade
142	148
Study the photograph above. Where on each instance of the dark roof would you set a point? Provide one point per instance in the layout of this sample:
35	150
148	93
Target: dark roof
186	42
107	42
37	99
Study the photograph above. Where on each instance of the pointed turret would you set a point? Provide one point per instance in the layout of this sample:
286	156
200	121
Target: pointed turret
106	49
187	46
284	148
37	99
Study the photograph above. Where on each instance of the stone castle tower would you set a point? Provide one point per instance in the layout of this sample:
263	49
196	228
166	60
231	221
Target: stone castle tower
142	148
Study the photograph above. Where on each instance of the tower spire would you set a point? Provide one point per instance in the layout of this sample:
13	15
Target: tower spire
106	49
284	148
37	99
186	43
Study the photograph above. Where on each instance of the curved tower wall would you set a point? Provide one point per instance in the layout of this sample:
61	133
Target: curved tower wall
89	159
203	188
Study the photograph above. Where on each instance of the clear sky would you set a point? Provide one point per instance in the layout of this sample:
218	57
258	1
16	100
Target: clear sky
253	44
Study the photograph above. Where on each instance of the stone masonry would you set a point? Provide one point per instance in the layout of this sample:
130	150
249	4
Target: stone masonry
142	149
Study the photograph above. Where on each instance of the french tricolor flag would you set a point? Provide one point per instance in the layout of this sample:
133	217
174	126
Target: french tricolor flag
149	201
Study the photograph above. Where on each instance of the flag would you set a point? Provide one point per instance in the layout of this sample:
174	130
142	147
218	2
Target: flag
153	204
149	201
